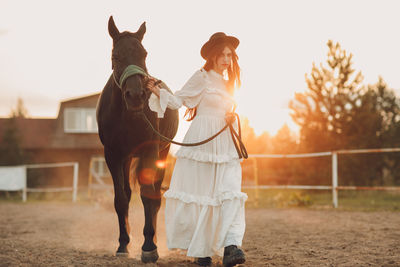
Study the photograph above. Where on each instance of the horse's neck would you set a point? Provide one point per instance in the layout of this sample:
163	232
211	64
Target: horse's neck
110	101
116	97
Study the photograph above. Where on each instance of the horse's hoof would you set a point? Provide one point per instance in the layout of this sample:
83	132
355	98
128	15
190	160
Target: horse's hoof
122	254
149	256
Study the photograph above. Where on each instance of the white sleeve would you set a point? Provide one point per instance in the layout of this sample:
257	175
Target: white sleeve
190	95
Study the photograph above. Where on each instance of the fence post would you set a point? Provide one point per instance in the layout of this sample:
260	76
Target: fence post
24	190
334	179
75	182
255	169
90	179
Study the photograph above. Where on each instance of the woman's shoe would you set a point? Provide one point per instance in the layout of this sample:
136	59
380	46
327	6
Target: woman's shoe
206	261
232	256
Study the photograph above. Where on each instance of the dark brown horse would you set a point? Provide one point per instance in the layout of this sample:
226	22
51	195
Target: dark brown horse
125	134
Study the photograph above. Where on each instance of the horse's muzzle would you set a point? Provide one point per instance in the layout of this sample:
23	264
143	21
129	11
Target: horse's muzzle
135	109
134	101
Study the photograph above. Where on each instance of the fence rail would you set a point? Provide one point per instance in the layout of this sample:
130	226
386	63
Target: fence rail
74	187
334	187
15	179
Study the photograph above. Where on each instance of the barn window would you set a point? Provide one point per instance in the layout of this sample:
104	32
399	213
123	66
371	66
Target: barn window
80	120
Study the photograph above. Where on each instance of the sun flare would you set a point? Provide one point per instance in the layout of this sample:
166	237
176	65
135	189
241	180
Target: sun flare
262	111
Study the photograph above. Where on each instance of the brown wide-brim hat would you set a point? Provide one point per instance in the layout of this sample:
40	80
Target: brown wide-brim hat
216	38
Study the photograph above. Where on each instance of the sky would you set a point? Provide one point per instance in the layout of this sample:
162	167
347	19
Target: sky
52	51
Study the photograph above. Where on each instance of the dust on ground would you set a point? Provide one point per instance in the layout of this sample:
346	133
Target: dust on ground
86	234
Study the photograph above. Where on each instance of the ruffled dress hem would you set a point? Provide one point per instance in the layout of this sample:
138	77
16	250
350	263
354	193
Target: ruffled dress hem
206	200
202	156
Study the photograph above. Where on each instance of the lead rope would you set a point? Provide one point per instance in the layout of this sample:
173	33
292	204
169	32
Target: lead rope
241	149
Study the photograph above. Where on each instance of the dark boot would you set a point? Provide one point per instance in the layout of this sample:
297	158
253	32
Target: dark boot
232	256
206	261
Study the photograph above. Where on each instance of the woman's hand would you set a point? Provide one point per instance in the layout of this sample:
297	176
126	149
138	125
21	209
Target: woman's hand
151	84
230	117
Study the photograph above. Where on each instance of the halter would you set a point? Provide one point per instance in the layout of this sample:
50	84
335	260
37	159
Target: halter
129	71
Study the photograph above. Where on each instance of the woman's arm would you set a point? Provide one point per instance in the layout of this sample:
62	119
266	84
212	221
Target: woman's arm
190	94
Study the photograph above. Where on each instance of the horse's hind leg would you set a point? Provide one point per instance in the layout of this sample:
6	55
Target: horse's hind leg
121	200
151	198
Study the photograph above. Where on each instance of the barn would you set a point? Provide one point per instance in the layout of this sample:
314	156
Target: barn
70	137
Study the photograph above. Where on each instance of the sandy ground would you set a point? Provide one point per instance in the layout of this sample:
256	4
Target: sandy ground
86	234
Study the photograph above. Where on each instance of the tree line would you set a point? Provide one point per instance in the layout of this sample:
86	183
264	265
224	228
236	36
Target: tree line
337	111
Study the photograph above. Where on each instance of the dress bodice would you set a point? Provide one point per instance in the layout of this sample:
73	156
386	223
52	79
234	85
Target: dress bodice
216	100
207	91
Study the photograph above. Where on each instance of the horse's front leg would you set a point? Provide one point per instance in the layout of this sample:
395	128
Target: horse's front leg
150	183
115	164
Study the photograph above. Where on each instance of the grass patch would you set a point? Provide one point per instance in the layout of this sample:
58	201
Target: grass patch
16	196
267	198
322	199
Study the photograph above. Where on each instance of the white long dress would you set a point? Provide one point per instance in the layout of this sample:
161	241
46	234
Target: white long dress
204	204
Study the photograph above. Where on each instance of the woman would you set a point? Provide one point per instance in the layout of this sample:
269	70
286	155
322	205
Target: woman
204	204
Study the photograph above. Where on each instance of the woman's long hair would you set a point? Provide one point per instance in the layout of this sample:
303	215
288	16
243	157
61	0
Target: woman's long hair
233	72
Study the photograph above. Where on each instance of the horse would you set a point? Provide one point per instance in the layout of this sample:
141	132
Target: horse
124	134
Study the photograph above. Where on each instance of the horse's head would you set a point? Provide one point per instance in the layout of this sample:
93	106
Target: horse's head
127	51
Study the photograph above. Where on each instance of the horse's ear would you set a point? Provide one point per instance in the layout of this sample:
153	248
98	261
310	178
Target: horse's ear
141	31
112	29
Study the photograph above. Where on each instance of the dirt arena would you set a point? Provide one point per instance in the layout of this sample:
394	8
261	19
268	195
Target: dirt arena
86	234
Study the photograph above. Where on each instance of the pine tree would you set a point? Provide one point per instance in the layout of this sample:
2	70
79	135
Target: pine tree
20	111
324	111
387	110
338	112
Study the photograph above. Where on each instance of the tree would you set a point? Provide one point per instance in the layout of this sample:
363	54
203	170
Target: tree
387	105
325	112
254	144
338	112
284	142
20	111
387	109
326	109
